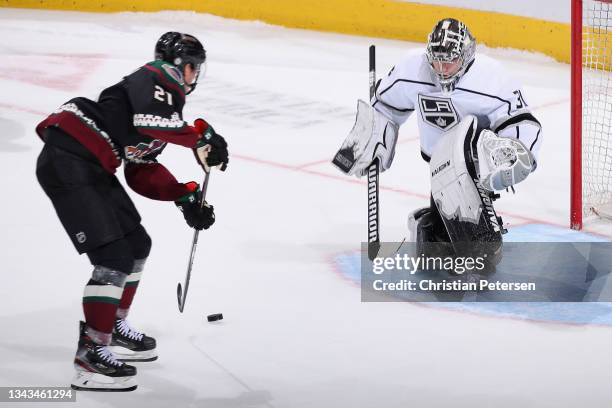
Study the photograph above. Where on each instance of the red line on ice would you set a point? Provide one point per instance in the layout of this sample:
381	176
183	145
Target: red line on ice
345	179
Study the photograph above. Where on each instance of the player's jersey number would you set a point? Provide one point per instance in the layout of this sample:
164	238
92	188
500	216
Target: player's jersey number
161	95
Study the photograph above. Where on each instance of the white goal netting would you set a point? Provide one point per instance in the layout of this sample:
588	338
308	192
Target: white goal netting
597	107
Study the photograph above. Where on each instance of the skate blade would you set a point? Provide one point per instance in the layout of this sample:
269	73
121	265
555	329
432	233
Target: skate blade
125	354
88	381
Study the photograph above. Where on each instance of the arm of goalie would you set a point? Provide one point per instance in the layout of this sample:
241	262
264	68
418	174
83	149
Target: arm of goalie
373	136
502	161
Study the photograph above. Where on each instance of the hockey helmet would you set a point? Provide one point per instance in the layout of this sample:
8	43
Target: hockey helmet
181	49
450	51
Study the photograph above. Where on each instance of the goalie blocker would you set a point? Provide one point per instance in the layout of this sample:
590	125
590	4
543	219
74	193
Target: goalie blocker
373	136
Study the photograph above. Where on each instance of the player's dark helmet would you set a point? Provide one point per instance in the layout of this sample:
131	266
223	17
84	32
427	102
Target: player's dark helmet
450	51
180	49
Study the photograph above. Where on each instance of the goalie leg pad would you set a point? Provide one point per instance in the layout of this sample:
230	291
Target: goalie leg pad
465	206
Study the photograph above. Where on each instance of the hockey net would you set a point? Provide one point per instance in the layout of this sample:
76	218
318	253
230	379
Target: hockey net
592	110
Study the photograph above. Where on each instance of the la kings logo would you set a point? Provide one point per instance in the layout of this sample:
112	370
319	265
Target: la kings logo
438	112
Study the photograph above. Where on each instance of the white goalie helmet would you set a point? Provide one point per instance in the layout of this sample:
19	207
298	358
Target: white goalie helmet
450	50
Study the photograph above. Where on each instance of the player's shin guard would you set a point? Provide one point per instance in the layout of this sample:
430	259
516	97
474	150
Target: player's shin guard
465	207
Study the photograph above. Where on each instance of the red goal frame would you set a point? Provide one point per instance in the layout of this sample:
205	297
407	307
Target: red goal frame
576	185
576	118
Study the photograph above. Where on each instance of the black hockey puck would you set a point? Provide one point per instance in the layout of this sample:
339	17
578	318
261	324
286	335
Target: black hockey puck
214	317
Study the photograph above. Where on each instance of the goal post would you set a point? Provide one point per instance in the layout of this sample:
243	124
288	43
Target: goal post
591	111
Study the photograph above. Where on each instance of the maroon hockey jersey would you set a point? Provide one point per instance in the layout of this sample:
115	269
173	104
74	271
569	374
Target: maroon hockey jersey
132	122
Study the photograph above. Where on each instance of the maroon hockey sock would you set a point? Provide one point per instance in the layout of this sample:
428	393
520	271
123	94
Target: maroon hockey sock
100	303
129	291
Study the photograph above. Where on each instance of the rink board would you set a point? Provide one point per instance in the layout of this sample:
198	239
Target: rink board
372	18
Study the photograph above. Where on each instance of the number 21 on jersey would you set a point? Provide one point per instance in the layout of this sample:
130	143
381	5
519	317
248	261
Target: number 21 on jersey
161	95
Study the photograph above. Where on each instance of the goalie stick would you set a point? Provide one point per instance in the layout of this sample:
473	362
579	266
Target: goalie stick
180	293
373	174
351	152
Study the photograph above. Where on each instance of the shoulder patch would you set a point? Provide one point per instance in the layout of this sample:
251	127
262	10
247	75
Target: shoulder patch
166	70
174	73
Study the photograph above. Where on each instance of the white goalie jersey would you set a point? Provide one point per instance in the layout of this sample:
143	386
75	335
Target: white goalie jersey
485	91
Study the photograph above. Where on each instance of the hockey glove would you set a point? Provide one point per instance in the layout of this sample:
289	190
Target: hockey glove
211	149
503	162
197	216
373	136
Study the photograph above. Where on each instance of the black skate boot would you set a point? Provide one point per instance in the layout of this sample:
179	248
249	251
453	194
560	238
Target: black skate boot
97	369
131	345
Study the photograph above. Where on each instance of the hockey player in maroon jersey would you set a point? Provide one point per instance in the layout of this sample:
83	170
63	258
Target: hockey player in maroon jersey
85	142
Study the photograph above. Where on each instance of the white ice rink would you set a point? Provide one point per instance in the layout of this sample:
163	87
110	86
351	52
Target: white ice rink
295	332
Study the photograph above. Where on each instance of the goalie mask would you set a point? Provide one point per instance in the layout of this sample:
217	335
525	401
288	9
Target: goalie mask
450	51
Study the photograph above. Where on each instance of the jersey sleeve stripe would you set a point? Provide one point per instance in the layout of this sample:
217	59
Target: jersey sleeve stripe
488	96
536	139
404	80
516	120
392	107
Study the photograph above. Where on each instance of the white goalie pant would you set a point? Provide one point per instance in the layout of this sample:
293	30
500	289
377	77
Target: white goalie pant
465	207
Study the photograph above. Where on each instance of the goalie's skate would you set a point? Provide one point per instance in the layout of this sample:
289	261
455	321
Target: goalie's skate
97	369
129	344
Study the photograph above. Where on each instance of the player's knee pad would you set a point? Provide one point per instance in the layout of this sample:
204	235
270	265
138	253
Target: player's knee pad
116	256
465	207
108	276
140	243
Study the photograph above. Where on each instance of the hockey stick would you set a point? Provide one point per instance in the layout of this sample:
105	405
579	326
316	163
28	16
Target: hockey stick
373	172
180	293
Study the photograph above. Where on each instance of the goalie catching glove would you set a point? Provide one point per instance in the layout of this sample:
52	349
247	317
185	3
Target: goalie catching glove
373	137
196	215
502	162
211	150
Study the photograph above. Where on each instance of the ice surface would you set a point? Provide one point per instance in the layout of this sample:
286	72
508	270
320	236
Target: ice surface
295	333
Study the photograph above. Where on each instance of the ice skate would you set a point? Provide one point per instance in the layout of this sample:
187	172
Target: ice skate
129	344
97	368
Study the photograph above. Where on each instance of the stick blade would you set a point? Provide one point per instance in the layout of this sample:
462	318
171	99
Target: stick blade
179	296
373	248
